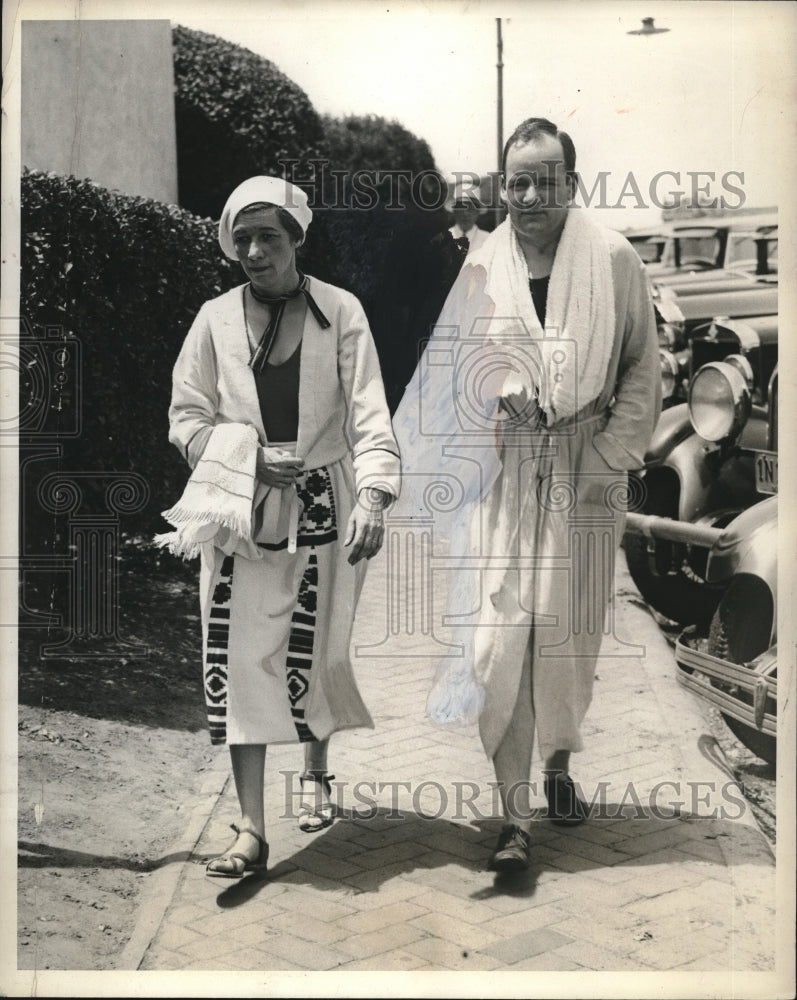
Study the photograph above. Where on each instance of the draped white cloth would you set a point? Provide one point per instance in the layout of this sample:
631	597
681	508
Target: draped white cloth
499	414
568	359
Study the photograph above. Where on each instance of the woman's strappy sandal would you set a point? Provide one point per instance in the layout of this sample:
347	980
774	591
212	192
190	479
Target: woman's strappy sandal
234	864
311	816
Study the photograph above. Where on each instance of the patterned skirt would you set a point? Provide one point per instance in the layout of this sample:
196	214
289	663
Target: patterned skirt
262	622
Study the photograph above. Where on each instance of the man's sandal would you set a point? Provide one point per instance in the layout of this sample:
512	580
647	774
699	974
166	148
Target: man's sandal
311	816
234	864
512	850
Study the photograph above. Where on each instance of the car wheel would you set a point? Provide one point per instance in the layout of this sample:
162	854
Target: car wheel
669	585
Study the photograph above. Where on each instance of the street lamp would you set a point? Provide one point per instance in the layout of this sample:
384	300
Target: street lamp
647	28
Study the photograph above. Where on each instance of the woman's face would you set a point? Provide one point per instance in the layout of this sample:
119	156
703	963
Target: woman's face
266	251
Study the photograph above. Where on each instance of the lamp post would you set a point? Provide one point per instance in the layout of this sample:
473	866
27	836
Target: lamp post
500	107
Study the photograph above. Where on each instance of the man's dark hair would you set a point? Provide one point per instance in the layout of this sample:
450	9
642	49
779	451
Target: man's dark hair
531	129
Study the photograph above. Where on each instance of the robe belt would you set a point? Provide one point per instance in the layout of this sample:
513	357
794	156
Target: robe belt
544	437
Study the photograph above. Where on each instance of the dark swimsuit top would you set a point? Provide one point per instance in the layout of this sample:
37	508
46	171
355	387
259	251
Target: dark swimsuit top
278	394
539	296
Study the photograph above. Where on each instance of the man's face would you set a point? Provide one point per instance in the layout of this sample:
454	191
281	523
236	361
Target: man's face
536	189
465	214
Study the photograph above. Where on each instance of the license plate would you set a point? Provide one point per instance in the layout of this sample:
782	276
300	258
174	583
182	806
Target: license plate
766	471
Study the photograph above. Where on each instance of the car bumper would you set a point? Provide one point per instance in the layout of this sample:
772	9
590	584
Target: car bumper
746	690
668	529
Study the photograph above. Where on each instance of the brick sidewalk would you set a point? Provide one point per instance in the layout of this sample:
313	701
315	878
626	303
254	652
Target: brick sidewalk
634	889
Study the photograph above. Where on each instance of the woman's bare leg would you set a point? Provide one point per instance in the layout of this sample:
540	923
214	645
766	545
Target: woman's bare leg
314	793
315	756
248	767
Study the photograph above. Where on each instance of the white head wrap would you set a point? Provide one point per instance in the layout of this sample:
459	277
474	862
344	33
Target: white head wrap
273	191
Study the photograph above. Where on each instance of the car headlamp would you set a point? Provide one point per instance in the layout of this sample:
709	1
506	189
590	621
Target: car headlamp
720	399
670	374
668	336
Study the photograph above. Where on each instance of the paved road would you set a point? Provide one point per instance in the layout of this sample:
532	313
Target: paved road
670	873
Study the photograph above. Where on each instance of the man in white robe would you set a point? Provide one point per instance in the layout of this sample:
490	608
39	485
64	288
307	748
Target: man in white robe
554	337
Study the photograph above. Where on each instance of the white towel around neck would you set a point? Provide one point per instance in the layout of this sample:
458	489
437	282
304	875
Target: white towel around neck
572	352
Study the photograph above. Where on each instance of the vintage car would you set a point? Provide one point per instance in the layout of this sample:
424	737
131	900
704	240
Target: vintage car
733	665
700	467
695	249
728	657
650	243
683	308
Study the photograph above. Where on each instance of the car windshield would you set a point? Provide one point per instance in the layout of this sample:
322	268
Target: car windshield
649	250
695	251
742	253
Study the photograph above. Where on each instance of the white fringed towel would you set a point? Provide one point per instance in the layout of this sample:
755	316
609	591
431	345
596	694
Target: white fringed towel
218	496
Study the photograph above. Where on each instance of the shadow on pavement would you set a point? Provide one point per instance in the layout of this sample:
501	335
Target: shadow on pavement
453	857
31	855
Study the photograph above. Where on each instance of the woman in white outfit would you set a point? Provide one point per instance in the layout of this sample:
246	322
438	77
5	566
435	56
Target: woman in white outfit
284	365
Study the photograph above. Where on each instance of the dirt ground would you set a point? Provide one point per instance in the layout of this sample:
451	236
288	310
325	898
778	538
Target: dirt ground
110	752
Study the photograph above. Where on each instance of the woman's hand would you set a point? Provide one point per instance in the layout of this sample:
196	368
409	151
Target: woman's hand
365	531
275	470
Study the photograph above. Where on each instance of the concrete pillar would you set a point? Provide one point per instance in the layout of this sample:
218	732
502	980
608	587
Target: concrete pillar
98	102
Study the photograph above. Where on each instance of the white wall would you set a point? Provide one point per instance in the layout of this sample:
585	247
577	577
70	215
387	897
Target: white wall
98	102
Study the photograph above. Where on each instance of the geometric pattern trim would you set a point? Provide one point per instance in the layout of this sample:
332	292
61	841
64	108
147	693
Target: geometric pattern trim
217	644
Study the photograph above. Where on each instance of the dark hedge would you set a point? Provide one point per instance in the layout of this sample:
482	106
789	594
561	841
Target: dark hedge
370	142
401	265
237	115
125	277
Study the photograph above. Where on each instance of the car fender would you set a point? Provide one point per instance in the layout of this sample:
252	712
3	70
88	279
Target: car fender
687	460
672	427
748	545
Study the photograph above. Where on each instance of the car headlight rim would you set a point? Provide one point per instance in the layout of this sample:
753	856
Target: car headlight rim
743	366
719	401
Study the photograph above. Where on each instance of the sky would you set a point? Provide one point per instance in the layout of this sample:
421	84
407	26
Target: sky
706	95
